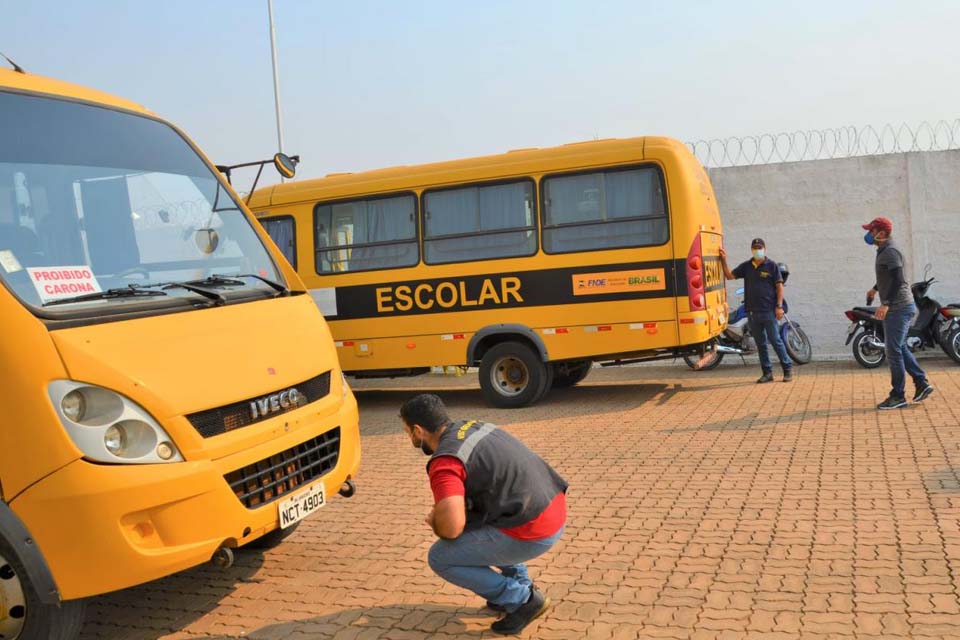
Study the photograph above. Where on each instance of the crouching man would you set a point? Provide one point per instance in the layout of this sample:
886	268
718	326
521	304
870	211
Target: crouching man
497	505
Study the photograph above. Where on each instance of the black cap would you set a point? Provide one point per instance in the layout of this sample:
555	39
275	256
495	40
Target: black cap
758	242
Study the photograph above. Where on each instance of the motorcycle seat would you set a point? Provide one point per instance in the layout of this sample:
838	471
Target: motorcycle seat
869	310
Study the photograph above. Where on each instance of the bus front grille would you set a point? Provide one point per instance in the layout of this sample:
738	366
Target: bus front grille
271	478
213	422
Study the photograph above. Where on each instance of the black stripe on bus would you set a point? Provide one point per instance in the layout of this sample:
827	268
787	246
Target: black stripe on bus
502	290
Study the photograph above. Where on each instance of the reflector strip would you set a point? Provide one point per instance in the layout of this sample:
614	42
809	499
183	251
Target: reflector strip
549	332
345	343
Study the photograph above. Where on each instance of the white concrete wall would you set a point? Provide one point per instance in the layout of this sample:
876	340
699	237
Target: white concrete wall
810	214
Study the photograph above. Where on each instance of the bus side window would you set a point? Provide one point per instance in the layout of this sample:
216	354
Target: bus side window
604	210
282	229
363	235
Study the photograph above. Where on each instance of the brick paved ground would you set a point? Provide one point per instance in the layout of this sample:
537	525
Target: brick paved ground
701	506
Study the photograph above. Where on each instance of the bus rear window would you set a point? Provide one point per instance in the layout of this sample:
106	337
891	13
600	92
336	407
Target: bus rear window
604	210
362	235
479	223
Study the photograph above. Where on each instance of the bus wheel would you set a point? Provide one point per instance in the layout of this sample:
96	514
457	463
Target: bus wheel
272	539
512	375
22	615
570	373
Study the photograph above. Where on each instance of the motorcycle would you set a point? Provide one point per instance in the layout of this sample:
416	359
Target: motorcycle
737	340
951	331
933	327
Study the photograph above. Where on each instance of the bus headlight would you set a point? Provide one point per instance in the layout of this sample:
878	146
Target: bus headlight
109	427
73	406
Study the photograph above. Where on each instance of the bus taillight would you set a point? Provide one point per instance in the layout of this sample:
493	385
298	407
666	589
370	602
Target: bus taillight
695	291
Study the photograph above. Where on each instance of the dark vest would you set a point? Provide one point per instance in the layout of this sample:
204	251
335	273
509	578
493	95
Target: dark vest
507	485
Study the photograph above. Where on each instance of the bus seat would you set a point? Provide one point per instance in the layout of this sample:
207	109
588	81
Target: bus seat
23	242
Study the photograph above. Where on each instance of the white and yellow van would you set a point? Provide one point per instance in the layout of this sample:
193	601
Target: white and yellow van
169	390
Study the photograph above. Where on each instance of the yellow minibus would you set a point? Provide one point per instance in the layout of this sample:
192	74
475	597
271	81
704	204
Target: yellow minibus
530	265
169	390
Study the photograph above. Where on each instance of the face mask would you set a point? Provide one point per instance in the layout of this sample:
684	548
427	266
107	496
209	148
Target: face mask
868	238
758	254
424	447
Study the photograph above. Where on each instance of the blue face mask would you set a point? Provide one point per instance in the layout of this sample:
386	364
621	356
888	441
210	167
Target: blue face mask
868	238
758	254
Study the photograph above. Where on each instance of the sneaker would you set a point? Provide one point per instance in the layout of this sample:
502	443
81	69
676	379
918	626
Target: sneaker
892	403
515	622
788	375
923	392
767	377
493	606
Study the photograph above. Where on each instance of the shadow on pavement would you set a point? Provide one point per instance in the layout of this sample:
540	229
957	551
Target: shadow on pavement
400	621
169	604
942	481
581	400
753	421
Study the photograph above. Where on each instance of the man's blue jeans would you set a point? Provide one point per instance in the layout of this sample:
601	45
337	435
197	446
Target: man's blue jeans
901	361
468	560
764	327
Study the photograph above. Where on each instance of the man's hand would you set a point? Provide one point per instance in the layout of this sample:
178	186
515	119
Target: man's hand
871	294
723	254
779	313
881	312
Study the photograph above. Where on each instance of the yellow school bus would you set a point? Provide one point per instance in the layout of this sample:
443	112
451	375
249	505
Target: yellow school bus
531	264
150	421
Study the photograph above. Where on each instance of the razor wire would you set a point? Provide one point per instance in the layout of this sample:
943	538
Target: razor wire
827	144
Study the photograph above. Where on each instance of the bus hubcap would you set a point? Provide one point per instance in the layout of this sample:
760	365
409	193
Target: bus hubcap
510	376
13	605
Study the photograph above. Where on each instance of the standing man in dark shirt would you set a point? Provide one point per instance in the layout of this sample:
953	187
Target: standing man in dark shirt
763	289
897	312
497	505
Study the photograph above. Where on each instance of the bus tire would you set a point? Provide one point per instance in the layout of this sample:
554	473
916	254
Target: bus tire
26	618
512	375
272	539
568	374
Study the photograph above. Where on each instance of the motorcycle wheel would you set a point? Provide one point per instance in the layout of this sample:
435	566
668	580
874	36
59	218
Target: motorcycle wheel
712	363
797	343
869	357
952	345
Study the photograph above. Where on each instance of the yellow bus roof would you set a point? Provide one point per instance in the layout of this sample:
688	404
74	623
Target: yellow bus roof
517	162
17	81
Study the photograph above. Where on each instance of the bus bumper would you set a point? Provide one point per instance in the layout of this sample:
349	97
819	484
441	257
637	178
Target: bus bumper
107	527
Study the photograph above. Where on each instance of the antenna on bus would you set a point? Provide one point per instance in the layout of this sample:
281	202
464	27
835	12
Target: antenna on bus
13	64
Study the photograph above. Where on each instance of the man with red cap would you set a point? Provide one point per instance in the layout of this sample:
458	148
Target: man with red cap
897	312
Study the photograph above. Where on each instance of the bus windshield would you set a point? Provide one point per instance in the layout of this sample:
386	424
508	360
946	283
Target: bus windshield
97	201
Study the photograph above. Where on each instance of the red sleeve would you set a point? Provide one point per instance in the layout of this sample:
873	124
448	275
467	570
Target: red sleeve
447	477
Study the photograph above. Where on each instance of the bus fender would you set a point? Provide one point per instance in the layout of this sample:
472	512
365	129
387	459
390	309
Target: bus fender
506	330
16	534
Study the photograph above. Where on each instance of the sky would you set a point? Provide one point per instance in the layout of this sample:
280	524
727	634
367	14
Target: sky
368	84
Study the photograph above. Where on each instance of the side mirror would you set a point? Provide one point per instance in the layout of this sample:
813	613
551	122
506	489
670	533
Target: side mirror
286	166
207	240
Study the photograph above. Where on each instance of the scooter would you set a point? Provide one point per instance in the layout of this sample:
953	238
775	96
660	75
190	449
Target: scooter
737	340
933	327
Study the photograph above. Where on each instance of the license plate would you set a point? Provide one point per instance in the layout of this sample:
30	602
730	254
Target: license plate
300	505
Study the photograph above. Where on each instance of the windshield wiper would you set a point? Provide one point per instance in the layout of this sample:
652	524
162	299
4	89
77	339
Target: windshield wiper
130	291
206	293
232	280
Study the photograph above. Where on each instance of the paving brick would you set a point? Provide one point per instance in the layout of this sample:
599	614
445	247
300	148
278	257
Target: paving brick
701	506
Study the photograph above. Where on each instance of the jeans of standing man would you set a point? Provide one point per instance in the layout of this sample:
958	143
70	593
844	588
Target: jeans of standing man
901	360
764	328
466	562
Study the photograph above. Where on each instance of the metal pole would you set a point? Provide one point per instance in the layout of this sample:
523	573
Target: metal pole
276	78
